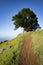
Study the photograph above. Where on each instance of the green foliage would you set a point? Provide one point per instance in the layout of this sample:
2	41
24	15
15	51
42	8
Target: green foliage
26	19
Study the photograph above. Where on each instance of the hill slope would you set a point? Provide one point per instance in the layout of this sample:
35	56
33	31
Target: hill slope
26	48
9	51
32	49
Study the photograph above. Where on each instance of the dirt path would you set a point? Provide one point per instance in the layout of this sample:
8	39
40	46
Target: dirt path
27	56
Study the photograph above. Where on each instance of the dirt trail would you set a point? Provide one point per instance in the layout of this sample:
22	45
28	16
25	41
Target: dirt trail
27	56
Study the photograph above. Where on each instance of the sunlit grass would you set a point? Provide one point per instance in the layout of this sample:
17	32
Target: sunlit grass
10	55
37	42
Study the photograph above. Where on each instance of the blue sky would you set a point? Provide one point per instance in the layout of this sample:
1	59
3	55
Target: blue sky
8	8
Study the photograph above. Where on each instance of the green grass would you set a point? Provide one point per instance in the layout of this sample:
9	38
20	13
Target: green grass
10	56
37	42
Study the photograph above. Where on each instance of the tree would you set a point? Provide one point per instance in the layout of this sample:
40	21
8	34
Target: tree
26	19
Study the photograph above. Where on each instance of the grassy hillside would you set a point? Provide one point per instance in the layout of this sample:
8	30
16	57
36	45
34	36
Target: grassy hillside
9	51
37	40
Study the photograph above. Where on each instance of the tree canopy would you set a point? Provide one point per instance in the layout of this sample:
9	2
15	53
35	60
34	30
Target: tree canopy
26	19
